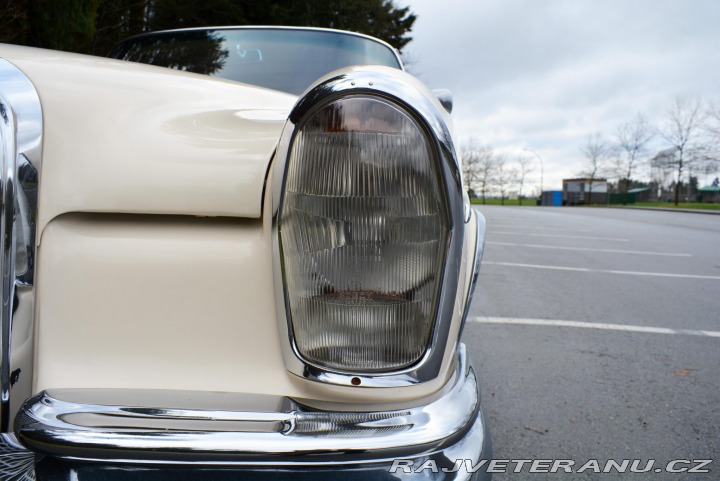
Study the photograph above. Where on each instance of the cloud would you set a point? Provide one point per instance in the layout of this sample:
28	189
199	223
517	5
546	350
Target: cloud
544	75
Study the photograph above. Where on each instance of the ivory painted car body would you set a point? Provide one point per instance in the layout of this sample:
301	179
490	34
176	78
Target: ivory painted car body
203	272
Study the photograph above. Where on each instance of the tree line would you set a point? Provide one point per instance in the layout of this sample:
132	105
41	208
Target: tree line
95	26
487	171
667	155
671	154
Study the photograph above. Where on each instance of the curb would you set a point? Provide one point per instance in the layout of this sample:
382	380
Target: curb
668	209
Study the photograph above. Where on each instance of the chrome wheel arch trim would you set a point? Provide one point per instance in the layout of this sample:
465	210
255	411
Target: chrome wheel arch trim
405	92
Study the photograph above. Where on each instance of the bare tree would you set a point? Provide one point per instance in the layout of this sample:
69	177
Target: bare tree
505	176
712	128
487	166
662	168
470	161
632	140
596	152
478	167
525	168
683	132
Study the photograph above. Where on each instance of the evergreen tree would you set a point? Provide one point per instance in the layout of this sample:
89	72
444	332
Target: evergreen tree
94	26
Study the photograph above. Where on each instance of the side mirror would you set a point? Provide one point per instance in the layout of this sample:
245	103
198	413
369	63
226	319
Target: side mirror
445	97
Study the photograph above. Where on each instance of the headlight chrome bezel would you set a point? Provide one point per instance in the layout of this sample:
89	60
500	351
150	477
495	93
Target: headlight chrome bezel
394	87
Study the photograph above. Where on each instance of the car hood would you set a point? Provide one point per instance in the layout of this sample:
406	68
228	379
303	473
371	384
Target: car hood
121	137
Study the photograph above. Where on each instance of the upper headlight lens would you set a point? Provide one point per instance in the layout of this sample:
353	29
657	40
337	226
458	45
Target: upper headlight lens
363	231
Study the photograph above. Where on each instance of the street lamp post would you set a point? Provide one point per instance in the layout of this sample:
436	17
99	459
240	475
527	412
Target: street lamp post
542	168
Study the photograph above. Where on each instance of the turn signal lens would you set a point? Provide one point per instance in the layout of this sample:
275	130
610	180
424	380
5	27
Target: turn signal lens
363	232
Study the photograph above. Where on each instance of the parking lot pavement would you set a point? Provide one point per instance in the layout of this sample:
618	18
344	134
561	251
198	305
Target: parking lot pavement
596	335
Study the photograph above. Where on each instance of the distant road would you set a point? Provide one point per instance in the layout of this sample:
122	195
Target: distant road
596	334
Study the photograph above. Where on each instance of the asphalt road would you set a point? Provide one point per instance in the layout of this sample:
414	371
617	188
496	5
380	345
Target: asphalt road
595	334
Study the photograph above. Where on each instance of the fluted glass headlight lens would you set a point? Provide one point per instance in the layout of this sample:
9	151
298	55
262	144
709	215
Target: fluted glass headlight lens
363	230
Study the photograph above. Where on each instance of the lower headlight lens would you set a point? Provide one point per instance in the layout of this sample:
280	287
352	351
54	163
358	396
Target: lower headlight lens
363	232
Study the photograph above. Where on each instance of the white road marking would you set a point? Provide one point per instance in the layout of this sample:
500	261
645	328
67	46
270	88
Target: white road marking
563	236
590	249
556	268
535	229
592	325
603	271
663	274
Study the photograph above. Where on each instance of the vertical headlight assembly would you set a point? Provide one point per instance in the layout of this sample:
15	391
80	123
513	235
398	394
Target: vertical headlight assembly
363	232
364	229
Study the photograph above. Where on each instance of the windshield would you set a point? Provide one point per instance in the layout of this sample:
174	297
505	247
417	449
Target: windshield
289	60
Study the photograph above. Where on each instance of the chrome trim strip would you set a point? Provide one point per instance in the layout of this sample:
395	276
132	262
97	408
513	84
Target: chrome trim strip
396	87
8	137
467	206
474	446
26	205
91	425
21	127
480	227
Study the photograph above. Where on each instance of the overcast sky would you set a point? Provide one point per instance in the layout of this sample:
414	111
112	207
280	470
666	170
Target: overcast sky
543	75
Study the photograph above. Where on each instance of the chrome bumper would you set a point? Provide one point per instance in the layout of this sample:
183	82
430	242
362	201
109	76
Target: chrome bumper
220	429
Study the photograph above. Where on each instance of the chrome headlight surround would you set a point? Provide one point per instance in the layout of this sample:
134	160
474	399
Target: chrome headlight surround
394	87
20	154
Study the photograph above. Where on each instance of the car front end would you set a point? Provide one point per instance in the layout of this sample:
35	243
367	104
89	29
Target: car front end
234	279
